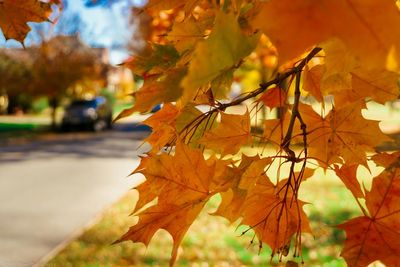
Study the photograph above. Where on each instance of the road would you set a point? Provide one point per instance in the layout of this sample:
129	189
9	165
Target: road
52	187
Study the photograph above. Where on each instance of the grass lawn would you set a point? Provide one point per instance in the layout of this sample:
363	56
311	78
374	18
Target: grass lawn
9	127
211	241
11	130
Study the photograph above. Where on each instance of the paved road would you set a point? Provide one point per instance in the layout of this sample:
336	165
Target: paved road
51	187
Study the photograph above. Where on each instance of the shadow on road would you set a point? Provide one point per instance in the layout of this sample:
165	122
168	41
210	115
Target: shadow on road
121	142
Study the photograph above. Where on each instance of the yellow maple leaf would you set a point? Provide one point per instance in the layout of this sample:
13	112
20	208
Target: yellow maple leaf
217	55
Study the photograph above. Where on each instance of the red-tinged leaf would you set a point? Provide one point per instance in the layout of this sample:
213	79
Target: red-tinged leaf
377	236
274	97
232	133
348	175
386	159
14	16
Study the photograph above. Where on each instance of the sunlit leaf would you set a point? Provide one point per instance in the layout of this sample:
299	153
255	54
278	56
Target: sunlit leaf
14	16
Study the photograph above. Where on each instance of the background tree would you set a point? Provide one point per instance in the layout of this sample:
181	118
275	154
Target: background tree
61	63
16	76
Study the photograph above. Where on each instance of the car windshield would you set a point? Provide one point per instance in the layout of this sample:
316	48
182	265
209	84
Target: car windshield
84	103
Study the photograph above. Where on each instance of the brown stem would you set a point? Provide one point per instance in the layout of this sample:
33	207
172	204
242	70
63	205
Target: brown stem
280	77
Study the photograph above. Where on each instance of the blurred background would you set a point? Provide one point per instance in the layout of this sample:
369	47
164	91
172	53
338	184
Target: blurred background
64	191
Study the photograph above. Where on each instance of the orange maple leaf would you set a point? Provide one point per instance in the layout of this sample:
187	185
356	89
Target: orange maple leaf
362	26
232	133
243	178
14	16
163	126
348	175
312	81
183	184
343	133
271	213
386	159
376	236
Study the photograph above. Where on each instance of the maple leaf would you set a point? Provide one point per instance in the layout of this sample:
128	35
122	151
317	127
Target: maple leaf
183	183
232	45
158	89
163	126
312	82
348	175
342	133
306	23
270	213
377	236
155	90
203	44
386	159
244	178
274	97
274	131
187	33
353	85
190	127
230	134
14	16
155	59
379	84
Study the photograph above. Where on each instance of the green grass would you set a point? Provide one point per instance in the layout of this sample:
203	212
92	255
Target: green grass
9	127
211	241
12	131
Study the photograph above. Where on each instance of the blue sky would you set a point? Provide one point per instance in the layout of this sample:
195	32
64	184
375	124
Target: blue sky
103	25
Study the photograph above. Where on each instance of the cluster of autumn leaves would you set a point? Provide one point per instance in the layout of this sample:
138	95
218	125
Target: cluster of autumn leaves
191	68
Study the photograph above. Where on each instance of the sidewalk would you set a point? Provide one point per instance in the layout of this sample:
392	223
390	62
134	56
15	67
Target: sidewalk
51	188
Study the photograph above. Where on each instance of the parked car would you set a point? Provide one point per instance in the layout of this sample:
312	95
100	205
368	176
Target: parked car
95	114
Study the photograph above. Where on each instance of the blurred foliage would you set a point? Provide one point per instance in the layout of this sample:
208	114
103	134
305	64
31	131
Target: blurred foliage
60	67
